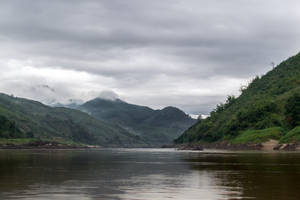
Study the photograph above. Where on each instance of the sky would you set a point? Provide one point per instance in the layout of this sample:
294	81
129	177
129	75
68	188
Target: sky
185	53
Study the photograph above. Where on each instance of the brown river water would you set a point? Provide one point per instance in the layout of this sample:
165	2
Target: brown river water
148	174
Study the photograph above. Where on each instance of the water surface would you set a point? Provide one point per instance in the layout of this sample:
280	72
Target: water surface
148	174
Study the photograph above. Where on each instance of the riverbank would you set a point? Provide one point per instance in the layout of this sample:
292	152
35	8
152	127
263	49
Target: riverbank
271	145
44	145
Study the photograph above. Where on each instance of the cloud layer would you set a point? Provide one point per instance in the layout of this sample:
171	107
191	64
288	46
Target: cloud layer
189	54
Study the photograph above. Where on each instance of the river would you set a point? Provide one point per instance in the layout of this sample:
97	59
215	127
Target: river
148	174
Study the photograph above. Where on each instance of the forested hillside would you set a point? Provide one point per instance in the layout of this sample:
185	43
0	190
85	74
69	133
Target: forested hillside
269	108
26	119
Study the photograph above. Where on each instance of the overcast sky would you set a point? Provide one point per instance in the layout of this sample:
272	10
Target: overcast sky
185	53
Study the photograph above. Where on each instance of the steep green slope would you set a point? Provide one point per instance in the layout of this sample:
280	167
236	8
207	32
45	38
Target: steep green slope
270	101
21	118
154	126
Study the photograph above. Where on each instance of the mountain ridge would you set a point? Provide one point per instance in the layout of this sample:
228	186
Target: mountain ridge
156	126
121	125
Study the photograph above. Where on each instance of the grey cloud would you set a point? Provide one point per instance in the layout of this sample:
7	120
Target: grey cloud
141	47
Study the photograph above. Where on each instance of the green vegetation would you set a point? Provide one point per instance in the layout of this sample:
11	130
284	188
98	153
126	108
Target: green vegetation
258	136
8	129
270	101
154	126
292	136
21	119
115	123
16	141
293	110
24	141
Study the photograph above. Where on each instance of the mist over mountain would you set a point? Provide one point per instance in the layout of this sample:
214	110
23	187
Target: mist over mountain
108	95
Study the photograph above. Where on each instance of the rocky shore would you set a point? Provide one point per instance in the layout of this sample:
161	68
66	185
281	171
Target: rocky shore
271	145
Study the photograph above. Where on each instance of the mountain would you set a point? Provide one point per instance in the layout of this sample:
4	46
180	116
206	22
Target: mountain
154	126
269	108
22	118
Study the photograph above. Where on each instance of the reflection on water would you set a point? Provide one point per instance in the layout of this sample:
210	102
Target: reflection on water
142	174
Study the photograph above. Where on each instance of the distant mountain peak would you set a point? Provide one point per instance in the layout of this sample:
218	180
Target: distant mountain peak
171	108
154	126
112	100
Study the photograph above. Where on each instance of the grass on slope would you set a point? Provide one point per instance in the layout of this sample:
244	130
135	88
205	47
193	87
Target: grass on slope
26	141
291	136
16	141
258	136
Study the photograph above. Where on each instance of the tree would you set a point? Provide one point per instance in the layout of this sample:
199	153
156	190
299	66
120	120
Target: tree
273	65
230	100
293	110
